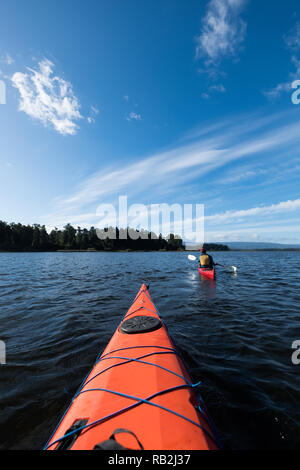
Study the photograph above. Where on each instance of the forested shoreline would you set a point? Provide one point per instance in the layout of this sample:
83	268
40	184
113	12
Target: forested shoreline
18	237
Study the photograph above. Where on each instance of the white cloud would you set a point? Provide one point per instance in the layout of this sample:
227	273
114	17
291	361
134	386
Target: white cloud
94	112
285	87
134	117
223	31
239	175
7	59
292	40
220	88
274	233
48	98
261	211
296	62
213	88
277	91
168	173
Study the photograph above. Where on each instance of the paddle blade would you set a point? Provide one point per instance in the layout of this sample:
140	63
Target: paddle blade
192	258
233	269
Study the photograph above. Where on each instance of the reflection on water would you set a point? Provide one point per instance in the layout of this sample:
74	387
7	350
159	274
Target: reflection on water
208	287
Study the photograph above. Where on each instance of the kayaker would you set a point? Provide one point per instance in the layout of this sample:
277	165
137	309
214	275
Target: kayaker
205	260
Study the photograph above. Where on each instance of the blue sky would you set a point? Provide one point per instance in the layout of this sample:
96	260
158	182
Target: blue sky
163	101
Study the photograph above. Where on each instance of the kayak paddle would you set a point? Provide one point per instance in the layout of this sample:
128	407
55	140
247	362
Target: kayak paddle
234	268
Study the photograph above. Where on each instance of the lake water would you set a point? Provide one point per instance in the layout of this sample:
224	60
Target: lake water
59	310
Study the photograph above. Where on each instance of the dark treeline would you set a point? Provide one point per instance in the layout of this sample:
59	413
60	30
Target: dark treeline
18	237
215	247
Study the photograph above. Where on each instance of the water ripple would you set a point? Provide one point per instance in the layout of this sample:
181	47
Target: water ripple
59	310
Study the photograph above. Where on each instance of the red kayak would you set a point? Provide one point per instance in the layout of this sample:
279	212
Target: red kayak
138	395
207	272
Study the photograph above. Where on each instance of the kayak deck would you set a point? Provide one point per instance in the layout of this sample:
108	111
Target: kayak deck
139	384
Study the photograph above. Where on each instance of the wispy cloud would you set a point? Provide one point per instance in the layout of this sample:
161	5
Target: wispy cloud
93	112
48	98
214	88
277	91
134	117
263	222
223	32
6	59
292	41
269	172
260	211
240	175
169	173
220	88
273	233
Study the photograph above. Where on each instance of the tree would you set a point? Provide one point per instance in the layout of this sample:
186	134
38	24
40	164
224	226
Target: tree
18	237
69	236
44	239
36	237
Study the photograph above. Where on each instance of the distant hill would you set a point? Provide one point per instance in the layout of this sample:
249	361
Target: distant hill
259	246
208	246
